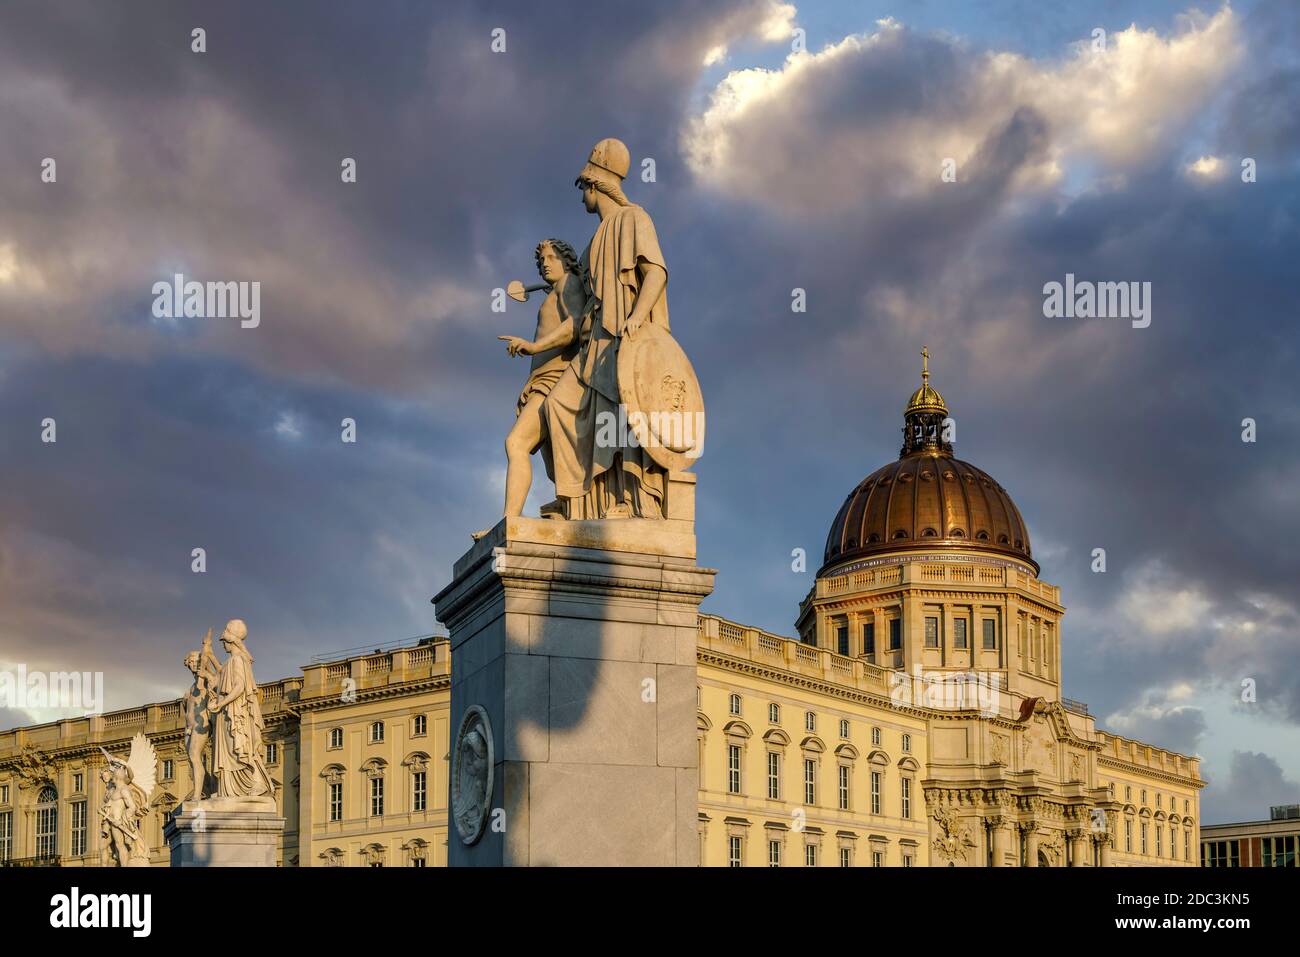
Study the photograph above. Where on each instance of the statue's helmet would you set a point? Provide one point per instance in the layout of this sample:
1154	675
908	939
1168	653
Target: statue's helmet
235	628
608	163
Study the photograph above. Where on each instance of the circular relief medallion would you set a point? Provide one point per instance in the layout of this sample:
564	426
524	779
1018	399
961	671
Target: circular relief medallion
471	774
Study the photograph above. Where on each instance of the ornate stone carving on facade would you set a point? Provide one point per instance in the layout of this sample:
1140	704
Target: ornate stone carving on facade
417	849
1076	767
333	857
416	761
1052	845
471	774
998	744
954	842
34	768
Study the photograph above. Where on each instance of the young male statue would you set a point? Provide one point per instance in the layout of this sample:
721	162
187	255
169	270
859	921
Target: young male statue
553	349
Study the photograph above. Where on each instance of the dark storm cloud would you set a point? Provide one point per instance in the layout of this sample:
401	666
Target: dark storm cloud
1254	782
225	165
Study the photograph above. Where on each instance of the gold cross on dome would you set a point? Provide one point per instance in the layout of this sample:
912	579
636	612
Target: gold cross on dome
925	364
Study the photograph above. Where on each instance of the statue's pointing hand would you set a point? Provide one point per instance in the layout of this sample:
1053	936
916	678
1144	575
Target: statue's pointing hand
516	346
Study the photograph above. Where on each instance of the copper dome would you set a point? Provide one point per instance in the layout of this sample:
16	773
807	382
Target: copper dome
927	499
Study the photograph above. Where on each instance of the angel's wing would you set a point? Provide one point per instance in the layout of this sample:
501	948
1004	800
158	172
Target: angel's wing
143	763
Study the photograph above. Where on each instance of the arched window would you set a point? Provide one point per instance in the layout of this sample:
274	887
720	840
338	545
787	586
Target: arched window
417	852
47	823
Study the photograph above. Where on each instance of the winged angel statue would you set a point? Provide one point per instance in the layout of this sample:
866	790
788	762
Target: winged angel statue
128	786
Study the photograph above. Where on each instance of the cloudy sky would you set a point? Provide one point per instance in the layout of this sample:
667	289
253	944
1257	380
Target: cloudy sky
1114	157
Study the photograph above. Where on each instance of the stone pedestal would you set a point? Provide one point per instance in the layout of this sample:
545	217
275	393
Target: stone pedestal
225	832
578	641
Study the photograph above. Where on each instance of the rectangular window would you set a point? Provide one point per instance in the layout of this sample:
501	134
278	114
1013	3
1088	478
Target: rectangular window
773	853
1128	836
774	713
932	632
844	787
810	855
336	738
809	721
809	782
990	634
6	835
735	845
419	789
77	781
774	775
1187	845
377	732
846	857
421	726
907	798
4	794
869	638
875	792
959	633
272	754
907	860
842	640
78	828
1157	840
376	797
336	802
895	634
1144	837
733	768
877	858
1278	851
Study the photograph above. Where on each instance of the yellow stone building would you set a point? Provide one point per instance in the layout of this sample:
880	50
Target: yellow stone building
916	720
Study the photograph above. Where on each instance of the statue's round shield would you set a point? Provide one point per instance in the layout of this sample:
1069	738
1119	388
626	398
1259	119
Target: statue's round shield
665	408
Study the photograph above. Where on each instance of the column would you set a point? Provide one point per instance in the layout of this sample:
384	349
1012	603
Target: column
998	836
1030	832
1078	839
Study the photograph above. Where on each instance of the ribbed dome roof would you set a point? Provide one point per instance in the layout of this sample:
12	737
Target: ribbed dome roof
927	499
923	501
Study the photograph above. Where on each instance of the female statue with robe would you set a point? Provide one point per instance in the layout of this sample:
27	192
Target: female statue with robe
237	756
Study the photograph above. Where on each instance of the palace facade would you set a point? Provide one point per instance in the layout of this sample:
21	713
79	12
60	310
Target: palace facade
917	720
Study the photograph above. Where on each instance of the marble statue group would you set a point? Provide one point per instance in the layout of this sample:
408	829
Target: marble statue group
222	707
611	402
